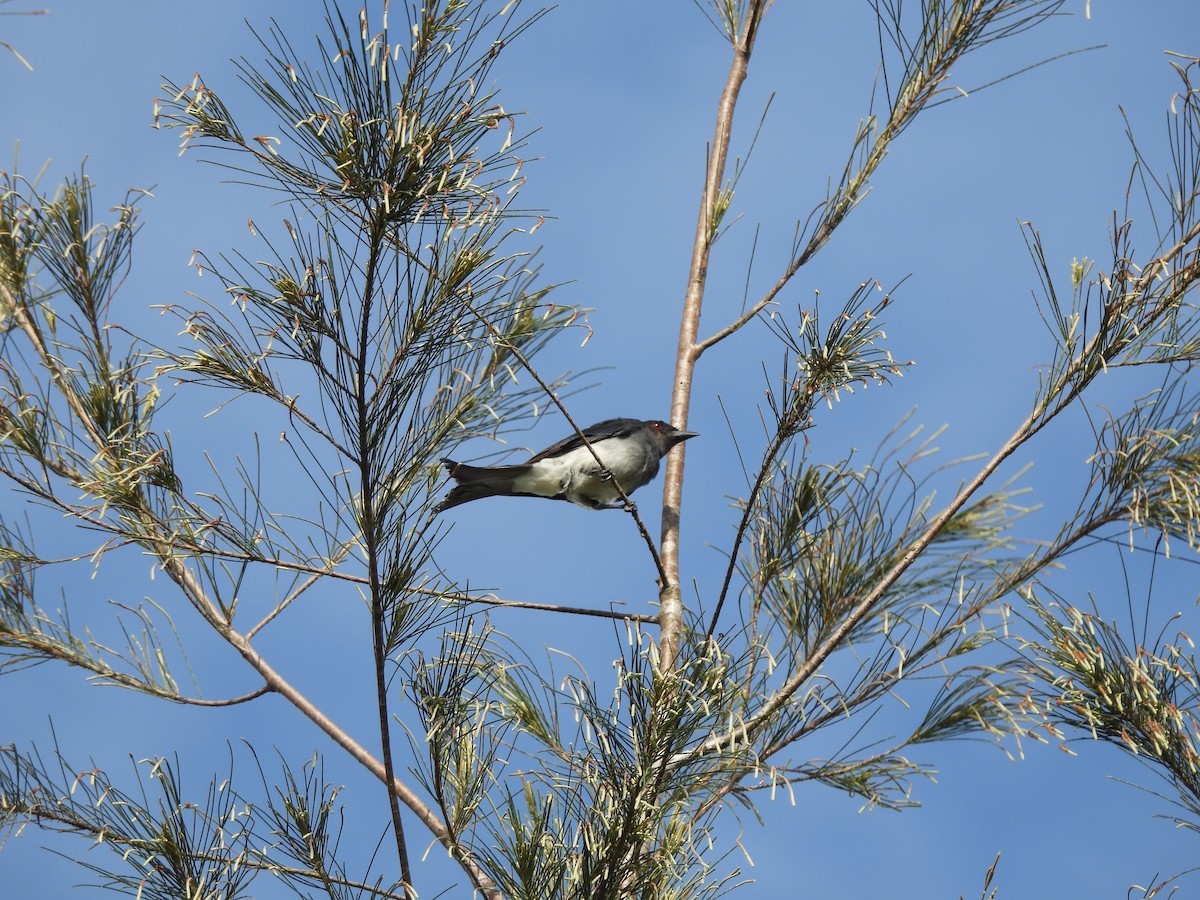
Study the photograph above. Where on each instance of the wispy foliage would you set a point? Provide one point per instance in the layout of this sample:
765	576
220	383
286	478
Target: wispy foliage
395	312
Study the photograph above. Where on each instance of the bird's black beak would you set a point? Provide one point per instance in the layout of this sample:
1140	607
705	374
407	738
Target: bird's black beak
680	436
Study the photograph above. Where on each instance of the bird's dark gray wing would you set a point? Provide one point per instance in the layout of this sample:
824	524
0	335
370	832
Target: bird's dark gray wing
607	429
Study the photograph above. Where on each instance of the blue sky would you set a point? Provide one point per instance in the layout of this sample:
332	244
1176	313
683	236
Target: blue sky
623	93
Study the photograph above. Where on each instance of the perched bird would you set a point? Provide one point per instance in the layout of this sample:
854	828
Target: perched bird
630	450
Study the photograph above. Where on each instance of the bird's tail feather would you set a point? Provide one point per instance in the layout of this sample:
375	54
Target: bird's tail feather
477	482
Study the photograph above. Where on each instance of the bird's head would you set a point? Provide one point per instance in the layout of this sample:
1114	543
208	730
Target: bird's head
667	435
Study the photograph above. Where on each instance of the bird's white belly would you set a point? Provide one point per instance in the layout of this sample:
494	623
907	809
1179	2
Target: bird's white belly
575	473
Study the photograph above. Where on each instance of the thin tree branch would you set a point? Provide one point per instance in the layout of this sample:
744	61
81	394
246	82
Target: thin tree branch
629	505
280	685
364	414
174	566
1075	378
764	472
546	607
229	701
670	597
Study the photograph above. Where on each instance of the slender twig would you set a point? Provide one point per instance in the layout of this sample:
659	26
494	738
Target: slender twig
629	505
836	637
1075	378
919	91
545	607
364	414
229	701
308	582
670	599
168	555
764	472
280	685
